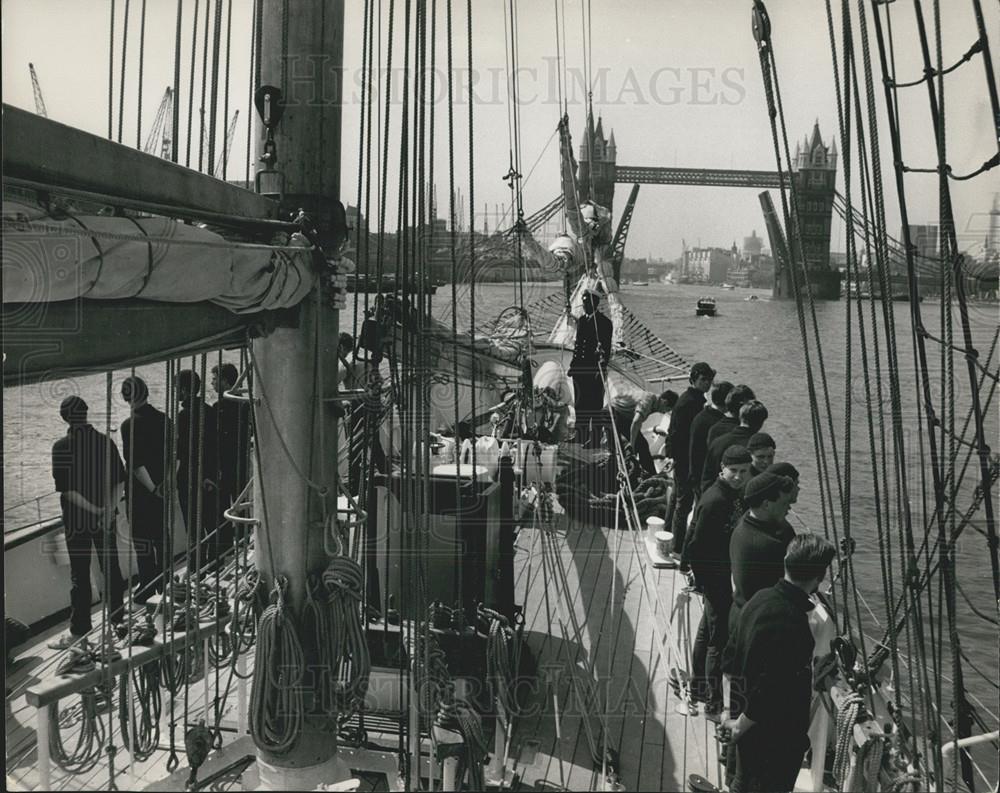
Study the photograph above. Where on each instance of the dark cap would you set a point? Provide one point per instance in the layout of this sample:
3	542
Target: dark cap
764	487
761	440
702	369
736	455
73	409
783	469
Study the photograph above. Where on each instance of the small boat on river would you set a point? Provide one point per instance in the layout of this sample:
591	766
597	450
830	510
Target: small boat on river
706	307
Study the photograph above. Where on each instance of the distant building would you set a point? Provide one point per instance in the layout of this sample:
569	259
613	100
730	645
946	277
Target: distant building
708	265
753	246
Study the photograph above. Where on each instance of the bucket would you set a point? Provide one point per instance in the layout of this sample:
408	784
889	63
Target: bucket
464	471
654	525
664	539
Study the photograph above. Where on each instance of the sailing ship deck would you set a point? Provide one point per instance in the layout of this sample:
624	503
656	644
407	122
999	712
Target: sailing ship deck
568	574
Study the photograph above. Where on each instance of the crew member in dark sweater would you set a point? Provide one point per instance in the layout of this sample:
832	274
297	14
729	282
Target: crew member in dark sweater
678	447
197	466
762	448
752	417
769	658
713	411
735	399
706	551
760	539
145	436
591	353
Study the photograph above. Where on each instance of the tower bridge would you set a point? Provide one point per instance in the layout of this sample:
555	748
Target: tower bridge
814	171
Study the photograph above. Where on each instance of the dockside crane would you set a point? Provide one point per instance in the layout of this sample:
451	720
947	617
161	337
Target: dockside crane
219	172
160	134
37	89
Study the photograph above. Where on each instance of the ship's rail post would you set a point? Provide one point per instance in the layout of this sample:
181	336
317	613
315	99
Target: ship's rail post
44	760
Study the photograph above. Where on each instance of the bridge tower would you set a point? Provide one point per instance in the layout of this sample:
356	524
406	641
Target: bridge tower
814	172
597	164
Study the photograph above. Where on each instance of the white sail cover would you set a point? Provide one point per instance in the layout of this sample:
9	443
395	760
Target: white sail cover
50	258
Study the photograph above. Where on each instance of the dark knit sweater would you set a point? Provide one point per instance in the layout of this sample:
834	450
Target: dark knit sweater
720	428
757	554
770	659
706	548
688	406
698	445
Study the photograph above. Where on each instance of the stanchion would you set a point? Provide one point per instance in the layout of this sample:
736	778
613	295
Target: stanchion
241	693
496	770
44	760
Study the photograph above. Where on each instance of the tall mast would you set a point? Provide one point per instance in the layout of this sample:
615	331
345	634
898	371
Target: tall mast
296	364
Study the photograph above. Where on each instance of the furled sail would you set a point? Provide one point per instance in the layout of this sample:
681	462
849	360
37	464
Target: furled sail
51	257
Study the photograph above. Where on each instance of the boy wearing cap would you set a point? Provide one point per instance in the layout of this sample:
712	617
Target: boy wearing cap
770	661
760	539
88	472
762	448
707	552
678	447
753	414
591	353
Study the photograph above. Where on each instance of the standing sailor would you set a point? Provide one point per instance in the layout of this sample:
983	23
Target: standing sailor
88	473
144	437
713	412
679	446
197	466
757	547
770	661
591	353
233	417
707	553
735	399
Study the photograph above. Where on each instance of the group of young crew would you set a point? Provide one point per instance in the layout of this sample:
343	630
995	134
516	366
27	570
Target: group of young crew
755	574
756	577
207	457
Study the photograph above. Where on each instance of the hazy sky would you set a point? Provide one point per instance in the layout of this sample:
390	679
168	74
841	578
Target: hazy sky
677	80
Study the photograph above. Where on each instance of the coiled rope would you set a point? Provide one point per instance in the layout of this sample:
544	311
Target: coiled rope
276	709
499	663
140	736
847	716
343	580
90	741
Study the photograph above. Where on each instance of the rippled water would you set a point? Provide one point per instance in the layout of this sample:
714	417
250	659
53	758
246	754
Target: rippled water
758	343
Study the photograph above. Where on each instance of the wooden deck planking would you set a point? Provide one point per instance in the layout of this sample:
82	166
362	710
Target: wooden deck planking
657	746
583	775
550	651
642	724
22	759
633	680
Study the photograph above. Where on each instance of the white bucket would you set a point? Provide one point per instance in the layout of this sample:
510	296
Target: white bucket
664	541
533	468
464	471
